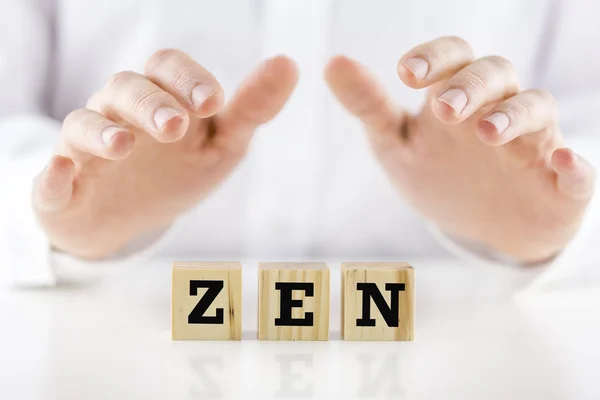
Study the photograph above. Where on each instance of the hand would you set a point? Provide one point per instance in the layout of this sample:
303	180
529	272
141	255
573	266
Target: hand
483	159
149	147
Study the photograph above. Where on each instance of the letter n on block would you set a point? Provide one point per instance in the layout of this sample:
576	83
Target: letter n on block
207	301
377	301
293	301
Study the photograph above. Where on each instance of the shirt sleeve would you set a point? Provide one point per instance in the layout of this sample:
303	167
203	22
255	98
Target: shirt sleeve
27	138
26	257
569	68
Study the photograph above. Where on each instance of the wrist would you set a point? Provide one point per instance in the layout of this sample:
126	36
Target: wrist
522	251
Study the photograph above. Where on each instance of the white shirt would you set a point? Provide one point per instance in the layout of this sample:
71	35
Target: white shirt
309	188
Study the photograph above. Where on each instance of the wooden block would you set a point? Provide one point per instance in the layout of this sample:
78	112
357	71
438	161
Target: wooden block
207	301
377	301
293	301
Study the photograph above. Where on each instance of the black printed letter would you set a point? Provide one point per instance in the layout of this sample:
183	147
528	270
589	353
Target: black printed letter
286	303
197	315
390	314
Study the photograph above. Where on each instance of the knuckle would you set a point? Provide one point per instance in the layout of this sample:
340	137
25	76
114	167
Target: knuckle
438	57
498	62
94	126
440	50
159	58
75	117
544	97
148	100
83	122
545	104
485	73
456	40
536	103
474	81
459	43
95	101
120	78
518	109
181	78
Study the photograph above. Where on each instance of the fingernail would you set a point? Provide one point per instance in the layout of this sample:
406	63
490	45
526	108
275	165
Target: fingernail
201	93
500	121
164	115
418	67
109	133
455	98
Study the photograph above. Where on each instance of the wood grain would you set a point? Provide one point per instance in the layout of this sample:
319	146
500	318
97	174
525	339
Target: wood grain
229	299
269	301
352	301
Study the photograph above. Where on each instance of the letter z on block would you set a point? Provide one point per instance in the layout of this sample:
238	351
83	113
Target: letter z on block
207	301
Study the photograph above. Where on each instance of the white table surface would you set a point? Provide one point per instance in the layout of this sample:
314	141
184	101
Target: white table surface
111	340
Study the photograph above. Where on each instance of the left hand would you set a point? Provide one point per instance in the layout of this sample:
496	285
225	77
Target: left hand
483	159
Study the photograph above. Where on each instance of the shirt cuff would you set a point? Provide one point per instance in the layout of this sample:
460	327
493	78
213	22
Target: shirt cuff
576	267
68	268
26	143
26	258
497	265
573	269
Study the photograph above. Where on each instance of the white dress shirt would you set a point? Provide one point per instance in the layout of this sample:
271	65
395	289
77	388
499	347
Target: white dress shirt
310	188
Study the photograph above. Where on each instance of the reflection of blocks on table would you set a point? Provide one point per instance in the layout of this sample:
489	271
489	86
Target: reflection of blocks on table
207	301
293	301
377	301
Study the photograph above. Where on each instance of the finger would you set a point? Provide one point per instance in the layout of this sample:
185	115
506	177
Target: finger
86	133
53	188
359	92
191	84
484	81
136	100
434	61
527	112
262	95
575	176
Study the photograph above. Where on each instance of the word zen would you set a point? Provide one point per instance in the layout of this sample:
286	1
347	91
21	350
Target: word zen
293	301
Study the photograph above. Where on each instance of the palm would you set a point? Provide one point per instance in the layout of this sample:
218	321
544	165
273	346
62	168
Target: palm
450	176
170	177
483	159
145	178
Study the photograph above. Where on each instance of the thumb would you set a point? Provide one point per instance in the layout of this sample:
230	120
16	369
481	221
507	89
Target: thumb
359	92
53	188
258	100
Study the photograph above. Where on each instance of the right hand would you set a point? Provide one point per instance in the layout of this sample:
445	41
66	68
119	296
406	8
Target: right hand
149	147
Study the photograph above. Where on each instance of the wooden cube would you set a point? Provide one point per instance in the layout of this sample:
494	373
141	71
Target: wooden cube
207	301
293	301
377	301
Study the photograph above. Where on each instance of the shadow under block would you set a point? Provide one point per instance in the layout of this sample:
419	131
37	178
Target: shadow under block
207	301
378	301
293	301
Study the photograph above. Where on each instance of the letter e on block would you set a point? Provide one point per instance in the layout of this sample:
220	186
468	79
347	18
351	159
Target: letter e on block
293	301
378	301
207	301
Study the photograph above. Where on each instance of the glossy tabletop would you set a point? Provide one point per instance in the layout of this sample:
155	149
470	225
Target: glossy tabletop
110	339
